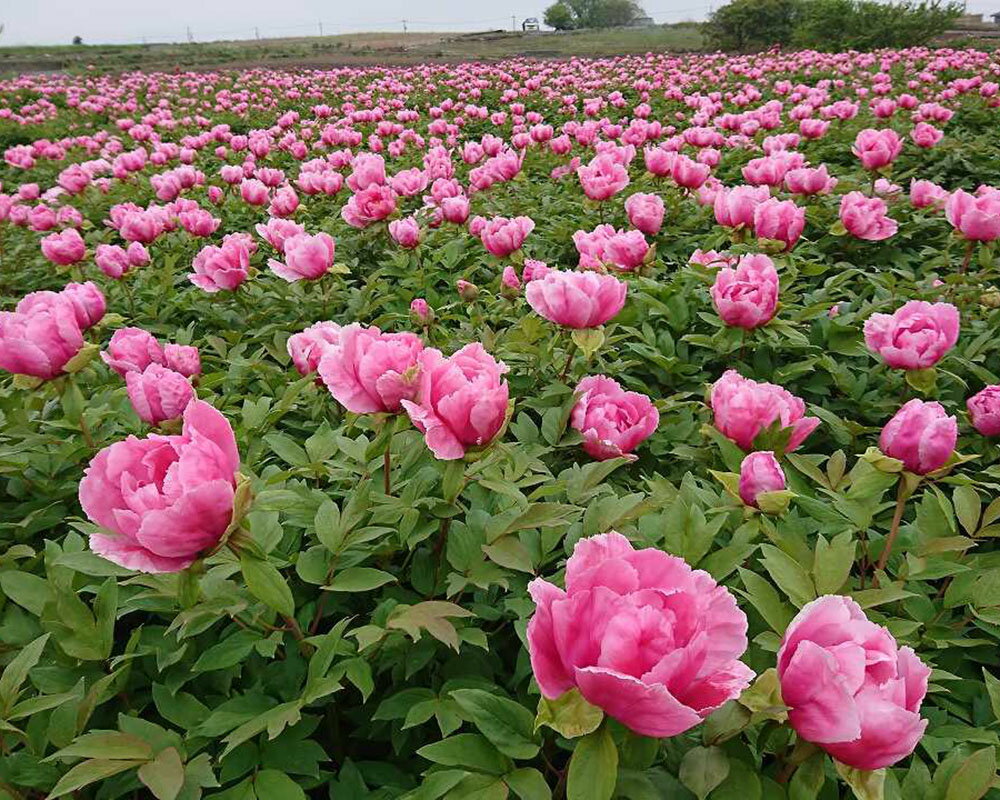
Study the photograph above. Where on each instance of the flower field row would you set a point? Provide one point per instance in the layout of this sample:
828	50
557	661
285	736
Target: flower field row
586	429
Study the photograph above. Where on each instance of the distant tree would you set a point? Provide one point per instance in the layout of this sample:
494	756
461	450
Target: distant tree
559	16
77	40
572	14
753	24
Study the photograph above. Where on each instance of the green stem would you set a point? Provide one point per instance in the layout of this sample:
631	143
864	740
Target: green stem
897	518
569	360
970	248
387	467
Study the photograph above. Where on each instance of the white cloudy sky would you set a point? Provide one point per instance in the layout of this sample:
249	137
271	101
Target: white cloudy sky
114	21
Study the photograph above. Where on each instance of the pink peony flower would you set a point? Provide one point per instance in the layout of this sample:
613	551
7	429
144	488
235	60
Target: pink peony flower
182	358
306	257
866	217
64	248
780	220
645	212
603	177
576	299
743	408
810	181
747	296
163	500
760	472
984	411
39	342
652	642
371	372
976	218
502	236
461	400
921	435
405	232
306	348
158	394
927	194
132	350
613	421
915	336
735	207
218	268
369	206
849	687
276	231
877	148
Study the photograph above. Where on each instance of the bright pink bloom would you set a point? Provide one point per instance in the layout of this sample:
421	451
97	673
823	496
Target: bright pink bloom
132	350
984	411
915	336
371	372
866	217
368	169
645	212
461	400
39	342
613	421
687	173
760	472
576	299
780	220
138	255
163	500
421	312
747	296
927	194
369	206
218	268
734	207
284	203
603	177
848	685
926	135
64	248
306	348
712	258
112	260
455	209
640	634
810	181
509	279
409	182
405	232
743	408
502	236
306	257
83	300
921	435
182	358
198	222
158	394
877	148
276	231
977	218
254	192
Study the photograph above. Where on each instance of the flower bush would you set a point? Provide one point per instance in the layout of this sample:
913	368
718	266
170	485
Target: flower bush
592	429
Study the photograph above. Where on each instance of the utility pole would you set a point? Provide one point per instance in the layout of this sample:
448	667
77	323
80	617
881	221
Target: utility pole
404	26
513	23
256	33
321	27
190	35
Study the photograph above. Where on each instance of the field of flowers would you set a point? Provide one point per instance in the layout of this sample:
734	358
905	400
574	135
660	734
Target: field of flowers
586	429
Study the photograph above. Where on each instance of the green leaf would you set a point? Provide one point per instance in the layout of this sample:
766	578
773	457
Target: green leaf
469	750
270	784
267	584
967	507
508	725
227	653
866	785
593	767
164	775
106	744
359	579
569	715
974	777
791	578
431	616
832	563
808	779
88	772
765	599
528	784
15	673
702	769
993	690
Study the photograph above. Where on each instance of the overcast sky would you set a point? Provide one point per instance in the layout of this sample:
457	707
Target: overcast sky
119	21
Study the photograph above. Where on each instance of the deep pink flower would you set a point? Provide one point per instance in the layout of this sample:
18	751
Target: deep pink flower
780	220
976	218
849	687
984	411
576	299
502	236
370	372
306	257
921	435
158	394
760	472
877	148
64	248
742	408
645	212
163	500
613	421
915	336
747	296
39	342
132	350
866	217
652	642
221	268
461	400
